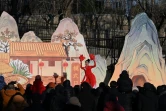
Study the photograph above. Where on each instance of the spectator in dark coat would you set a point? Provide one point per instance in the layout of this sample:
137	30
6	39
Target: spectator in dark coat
101	87
102	99
126	100
28	93
113	88
49	87
48	98
96	94
77	90
135	101
58	101
86	98
125	91
68	90
162	98
71	107
36	103
113	91
148	99
162	102
125	84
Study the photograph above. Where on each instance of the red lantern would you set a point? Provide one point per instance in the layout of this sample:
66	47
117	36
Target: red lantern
41	64
65	64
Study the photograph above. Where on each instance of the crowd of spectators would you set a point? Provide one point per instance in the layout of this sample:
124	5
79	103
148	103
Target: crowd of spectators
120	95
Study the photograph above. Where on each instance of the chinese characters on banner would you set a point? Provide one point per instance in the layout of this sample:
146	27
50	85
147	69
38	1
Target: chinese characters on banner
75	74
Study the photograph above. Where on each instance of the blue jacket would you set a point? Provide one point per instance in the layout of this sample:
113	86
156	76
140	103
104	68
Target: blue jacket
2	82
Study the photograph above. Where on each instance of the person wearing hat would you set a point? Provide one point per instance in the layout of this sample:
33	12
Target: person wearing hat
125	96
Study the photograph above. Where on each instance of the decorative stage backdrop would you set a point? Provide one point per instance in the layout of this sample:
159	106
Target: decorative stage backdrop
21	60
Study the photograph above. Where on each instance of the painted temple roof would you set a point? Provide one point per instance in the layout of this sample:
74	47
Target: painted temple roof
37	49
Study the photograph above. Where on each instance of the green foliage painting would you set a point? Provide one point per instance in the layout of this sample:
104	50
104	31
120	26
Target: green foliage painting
20	68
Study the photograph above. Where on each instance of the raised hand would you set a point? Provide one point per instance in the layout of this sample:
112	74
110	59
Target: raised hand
92	57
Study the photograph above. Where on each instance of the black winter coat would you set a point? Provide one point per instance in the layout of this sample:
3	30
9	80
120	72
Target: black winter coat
162	102
125	84
126	100
87	101
34	107
68	90
148	101
70	107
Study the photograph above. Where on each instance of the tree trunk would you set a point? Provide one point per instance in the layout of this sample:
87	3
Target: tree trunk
160	24
68	10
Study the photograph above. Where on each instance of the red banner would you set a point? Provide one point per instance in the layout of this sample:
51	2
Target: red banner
75	74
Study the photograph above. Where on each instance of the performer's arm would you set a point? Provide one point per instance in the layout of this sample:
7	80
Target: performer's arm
94	64
83	69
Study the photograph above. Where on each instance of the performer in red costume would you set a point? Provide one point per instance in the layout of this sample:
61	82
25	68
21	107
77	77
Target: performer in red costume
89	76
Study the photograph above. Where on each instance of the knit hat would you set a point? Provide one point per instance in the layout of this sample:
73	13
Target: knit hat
74	101
149	86
113	84
51	85
2	82
135	89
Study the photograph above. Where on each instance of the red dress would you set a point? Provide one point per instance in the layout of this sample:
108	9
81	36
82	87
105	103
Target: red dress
89	76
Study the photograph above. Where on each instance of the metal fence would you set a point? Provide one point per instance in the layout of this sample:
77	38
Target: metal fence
101	40
106	42
42	30
112	47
